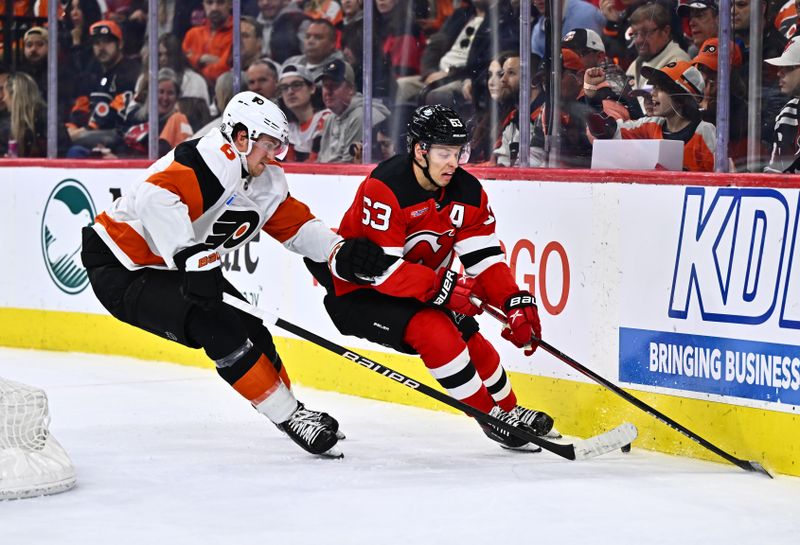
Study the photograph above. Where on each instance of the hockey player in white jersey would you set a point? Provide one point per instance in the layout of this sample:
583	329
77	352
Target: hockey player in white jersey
153	257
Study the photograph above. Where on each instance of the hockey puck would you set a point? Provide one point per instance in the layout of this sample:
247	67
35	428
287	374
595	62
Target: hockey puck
626	448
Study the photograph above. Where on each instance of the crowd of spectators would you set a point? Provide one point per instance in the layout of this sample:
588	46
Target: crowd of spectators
630	69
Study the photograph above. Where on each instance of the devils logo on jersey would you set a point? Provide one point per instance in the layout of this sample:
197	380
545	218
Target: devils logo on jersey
434	250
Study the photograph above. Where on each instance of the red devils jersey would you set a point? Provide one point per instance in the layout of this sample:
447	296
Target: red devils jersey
424	230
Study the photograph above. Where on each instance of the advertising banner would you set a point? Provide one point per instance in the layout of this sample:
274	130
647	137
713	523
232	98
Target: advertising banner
711	292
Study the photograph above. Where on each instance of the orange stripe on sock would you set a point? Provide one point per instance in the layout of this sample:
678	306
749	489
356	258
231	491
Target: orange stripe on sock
285	376
259	382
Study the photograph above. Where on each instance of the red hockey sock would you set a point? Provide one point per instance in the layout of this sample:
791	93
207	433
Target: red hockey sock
487	363
434	336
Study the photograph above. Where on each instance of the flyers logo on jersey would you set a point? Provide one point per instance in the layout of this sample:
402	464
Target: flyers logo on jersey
429	248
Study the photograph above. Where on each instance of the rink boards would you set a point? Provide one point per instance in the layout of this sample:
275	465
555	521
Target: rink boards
678	288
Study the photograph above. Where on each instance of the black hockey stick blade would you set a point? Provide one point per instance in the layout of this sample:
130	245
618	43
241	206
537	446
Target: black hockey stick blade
582	449
747	465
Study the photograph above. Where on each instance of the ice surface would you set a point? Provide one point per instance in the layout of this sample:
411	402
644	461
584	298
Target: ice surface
167	454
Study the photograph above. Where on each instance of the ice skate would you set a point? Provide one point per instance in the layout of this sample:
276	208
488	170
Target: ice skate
331	423
306	428
537	422
505	439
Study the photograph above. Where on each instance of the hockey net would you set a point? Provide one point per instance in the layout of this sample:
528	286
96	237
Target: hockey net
32	463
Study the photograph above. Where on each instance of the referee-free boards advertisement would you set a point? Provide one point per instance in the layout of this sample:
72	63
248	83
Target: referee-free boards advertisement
711	293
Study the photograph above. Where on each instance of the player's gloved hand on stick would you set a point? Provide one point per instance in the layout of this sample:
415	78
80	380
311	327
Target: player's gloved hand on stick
523	321
202	275
453	292
358	259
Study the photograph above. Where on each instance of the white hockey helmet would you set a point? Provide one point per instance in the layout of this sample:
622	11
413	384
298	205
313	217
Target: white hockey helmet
260	116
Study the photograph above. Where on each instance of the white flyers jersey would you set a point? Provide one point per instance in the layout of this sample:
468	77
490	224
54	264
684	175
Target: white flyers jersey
199	193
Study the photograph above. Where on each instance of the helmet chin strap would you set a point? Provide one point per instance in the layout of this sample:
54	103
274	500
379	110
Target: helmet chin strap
242	156
425	169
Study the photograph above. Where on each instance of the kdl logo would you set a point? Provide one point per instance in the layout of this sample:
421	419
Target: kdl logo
732	254
69	208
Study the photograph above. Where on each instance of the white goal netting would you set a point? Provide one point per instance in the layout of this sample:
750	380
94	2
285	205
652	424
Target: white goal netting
32	463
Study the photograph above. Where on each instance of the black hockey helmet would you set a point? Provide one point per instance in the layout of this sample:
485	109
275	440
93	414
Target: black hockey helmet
437	124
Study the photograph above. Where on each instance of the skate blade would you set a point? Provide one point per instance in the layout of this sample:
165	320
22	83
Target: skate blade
332	453
340	435
529	448
553	434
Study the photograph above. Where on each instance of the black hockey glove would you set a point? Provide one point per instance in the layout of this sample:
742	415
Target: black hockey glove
358	259
202	275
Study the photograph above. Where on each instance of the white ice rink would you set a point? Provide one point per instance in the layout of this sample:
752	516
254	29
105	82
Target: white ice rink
167	454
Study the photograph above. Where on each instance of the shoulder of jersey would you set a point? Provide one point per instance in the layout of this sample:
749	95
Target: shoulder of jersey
207	153
465	188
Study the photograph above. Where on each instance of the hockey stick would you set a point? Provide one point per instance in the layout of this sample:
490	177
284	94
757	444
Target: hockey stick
747	465
582	449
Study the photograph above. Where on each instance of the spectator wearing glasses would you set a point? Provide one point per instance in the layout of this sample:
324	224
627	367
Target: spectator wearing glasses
785	157
651	32
703	17
306	121
343	127
262	78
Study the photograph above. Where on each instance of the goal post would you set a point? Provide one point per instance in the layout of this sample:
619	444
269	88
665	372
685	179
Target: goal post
32	462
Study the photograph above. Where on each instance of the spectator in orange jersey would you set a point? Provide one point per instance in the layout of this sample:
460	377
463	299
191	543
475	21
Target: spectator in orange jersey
677	89
208	46
706	61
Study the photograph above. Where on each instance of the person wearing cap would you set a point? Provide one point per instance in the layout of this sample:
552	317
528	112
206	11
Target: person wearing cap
703	16
306	122
320	48
587	44
262	78
652	37
575	14
707	62
343	127
785	156
677	90
576	150
34	59
208	46
106	90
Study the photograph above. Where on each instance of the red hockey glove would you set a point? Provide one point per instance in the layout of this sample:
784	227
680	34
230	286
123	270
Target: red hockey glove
523	321
453	293
202	275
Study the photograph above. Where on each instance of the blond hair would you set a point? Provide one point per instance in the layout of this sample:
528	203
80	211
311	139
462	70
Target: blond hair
23	99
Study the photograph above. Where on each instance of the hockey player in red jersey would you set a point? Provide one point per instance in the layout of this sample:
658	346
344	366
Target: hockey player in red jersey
153	258
423	209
